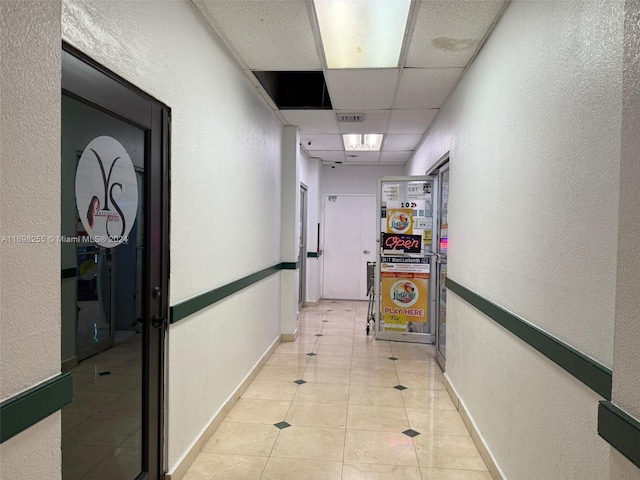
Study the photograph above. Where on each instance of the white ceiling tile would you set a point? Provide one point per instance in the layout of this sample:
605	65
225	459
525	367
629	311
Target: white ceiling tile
368	157
328	156
425	87
375	121
395	157
411	121
400	142
446	34
362	89
312	121
267	35
321	142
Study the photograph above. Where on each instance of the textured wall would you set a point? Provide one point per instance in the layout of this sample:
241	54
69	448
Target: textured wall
30	205
225	192
626	354
534	135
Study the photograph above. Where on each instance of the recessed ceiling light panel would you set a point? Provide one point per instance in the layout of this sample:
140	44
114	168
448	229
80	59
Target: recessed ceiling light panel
365	142
362	33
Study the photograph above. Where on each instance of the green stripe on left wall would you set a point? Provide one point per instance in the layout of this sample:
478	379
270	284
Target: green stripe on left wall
188	307
28	408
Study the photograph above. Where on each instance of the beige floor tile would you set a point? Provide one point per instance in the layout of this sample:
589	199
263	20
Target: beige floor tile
80	379
126	405
416	366
415	355
95	365
447	474
444	422
249	410
291	347
330	361
263	390
373	363
296	469
448	451
89	402
424	399
324	415
122	463
361	471
307	338
387	419
316	374
102	431
374	378
130	367
242	439
70	420
429	381
322	393
335	339
288	359
310	443
276	373
340	350
371	351
216	466
375	396
78	460
387	448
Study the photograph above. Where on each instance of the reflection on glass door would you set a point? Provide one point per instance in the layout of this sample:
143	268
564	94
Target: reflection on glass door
442	249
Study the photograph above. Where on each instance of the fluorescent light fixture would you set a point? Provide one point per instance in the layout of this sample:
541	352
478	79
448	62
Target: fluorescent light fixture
362	142
362	33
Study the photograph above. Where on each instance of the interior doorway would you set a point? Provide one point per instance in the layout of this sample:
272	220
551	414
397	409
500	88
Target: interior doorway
114	248
349	243
302	254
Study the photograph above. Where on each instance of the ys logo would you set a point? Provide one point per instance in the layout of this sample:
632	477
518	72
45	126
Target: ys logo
106	191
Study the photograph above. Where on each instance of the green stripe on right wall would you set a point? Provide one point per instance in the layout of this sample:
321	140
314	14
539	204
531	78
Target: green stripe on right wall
589	371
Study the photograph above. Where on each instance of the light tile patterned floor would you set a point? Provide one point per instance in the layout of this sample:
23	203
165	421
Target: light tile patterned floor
346	421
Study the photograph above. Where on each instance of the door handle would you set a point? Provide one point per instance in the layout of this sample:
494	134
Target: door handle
366	252
158	321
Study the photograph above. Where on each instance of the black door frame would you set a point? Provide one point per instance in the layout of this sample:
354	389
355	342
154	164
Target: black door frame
89	82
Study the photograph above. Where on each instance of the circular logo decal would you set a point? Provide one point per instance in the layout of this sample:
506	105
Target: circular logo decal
106	191
400	222
404	293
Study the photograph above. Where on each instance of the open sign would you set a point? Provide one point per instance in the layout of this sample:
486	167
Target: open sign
408	243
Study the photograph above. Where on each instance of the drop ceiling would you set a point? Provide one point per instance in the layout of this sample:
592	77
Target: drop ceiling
276	36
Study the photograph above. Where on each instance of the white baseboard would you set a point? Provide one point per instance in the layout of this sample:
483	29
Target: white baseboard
479	441
183	465
290	337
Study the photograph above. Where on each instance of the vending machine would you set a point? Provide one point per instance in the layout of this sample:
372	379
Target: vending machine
405	263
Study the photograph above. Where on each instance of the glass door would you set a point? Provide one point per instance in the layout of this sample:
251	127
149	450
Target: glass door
442	249
114	249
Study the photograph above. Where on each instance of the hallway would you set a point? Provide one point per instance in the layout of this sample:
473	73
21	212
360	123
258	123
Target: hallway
334	405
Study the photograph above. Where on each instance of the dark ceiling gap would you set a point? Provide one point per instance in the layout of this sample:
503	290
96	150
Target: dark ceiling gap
296	90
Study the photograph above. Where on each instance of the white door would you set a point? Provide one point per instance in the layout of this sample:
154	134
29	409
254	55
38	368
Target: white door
349	243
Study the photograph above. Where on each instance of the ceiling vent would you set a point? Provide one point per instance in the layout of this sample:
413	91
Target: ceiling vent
350	117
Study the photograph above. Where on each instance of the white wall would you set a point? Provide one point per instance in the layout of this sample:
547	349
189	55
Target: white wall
534	135
310	176
356	180
225	193
30	205
626	361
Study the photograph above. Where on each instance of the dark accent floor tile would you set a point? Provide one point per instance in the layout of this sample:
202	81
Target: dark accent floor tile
394	358
311	354
400	387
299	382
102	374
319	335
281	425
411	433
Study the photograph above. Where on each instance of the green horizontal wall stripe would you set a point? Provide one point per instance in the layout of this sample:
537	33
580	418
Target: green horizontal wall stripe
314	254
28	408
188	307
621	430
68	272
590	372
